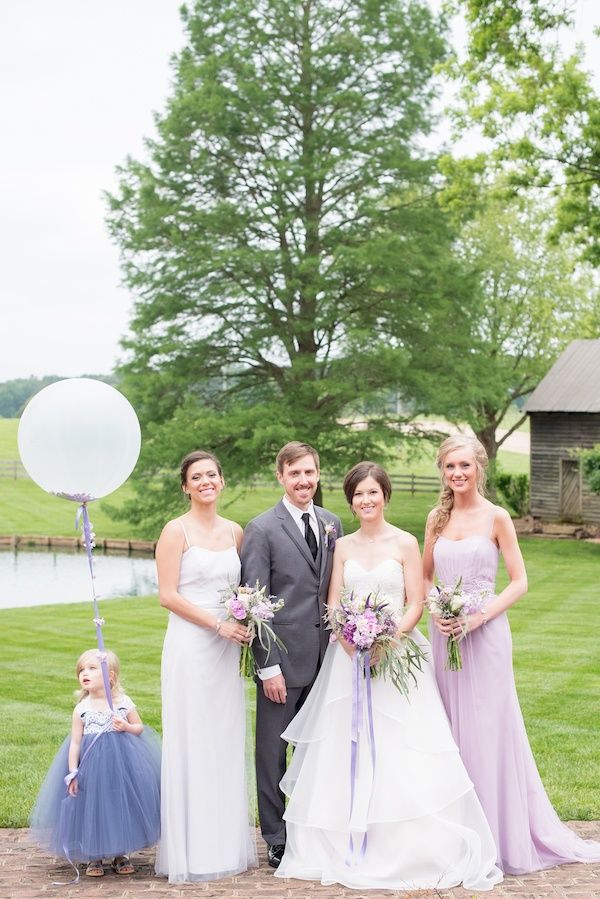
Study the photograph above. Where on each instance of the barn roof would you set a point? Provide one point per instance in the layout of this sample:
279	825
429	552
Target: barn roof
573	382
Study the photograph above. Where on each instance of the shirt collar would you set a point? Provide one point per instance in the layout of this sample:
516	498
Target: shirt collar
297	513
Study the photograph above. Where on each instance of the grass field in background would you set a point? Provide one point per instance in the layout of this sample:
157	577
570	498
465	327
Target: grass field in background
26	509
556	635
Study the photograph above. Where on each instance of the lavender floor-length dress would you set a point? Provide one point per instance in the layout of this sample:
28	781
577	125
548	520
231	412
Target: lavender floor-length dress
482	705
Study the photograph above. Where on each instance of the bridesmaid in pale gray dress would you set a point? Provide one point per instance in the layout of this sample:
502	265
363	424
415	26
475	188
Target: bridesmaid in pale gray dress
465	536
206	827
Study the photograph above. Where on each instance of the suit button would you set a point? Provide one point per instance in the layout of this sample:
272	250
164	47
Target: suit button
318	624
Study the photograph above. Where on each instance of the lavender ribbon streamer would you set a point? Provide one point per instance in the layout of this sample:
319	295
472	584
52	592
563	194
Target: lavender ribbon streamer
65	806
88	539
82	513
361	667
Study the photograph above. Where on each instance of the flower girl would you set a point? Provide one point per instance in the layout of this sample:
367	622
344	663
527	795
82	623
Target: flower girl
101	796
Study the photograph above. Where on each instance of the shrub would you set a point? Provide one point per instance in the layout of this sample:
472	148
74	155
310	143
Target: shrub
513	489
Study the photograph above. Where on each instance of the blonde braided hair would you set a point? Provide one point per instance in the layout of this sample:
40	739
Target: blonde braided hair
441	513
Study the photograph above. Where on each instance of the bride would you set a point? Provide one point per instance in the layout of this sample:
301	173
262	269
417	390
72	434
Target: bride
412	798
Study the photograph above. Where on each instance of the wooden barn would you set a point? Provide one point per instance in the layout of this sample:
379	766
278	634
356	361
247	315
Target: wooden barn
564	414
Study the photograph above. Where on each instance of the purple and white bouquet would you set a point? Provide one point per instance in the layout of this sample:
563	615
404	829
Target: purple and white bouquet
454	602
252	607
369	624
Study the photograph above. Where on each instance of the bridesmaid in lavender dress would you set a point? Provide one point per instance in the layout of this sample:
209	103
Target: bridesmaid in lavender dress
465	535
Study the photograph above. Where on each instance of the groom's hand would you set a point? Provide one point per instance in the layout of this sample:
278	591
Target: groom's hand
275	689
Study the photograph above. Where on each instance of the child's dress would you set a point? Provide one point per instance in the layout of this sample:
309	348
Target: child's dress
117	806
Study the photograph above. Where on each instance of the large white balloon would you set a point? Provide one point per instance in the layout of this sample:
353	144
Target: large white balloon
79	438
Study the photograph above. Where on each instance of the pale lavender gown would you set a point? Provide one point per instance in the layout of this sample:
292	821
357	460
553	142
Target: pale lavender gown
482	705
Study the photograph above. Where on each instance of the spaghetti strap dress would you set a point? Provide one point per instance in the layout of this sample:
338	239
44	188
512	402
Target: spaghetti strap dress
483	708
206	829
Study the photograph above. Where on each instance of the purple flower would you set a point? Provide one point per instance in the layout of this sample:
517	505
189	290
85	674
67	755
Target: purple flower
348	631
263	611
237	609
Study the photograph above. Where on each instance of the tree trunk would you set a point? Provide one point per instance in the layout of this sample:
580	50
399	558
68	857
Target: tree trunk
487	436
318	497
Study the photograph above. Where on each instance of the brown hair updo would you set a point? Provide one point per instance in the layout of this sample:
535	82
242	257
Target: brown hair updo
363	470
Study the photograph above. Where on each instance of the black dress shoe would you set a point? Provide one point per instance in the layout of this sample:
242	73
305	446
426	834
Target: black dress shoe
275	854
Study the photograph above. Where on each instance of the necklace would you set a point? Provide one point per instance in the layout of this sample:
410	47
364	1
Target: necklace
375	538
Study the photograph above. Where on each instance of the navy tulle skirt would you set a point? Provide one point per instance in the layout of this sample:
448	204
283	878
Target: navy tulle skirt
117	807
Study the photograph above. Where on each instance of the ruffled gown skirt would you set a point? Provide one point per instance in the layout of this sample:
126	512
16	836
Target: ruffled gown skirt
416	805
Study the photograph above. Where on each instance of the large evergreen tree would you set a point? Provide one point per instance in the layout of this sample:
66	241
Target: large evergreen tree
282	240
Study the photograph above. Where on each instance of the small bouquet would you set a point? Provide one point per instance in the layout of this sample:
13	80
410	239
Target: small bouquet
454	602
250	606
369	624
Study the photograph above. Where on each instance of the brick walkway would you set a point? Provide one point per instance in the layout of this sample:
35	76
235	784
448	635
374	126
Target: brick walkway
26	873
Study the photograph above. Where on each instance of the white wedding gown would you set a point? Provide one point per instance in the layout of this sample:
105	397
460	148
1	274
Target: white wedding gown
424	824
205	827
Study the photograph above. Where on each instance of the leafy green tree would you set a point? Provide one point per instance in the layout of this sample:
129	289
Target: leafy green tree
282	241
539	109
529	299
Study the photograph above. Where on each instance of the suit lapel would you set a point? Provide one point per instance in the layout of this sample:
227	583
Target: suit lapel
292	530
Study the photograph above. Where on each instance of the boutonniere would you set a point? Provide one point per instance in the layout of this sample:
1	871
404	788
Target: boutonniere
330	534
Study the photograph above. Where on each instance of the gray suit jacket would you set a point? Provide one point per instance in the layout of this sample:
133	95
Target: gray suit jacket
275	553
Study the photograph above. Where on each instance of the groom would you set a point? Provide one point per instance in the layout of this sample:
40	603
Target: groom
289	550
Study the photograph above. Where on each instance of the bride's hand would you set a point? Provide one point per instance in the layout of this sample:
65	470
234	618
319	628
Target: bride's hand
375	656
348	648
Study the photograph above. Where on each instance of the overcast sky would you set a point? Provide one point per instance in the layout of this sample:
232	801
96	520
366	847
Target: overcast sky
78	85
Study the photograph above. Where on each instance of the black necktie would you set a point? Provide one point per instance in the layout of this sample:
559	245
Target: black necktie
309	535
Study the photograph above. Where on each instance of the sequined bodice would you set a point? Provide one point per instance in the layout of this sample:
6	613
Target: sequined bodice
97	720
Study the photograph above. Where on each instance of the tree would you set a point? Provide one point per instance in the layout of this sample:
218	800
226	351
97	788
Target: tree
539	109
529	299
590	465
16	393
284	219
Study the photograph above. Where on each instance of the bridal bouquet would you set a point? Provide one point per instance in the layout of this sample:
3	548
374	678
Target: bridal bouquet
453	602
369	624
252	607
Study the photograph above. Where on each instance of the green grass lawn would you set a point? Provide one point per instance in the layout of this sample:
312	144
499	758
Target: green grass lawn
8	438
556	634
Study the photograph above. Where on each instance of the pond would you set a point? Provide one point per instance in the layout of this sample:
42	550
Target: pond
34	577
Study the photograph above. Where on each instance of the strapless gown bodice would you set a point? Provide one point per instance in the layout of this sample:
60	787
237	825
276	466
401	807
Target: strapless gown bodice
386	579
